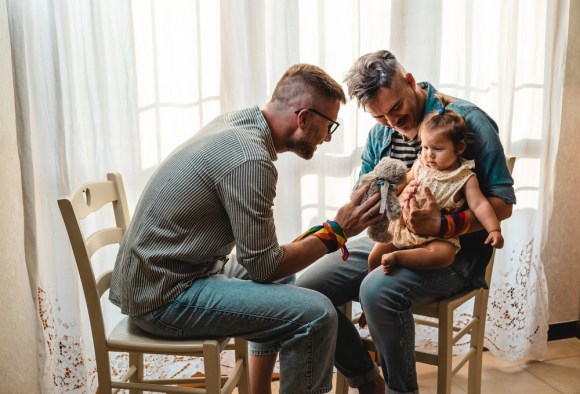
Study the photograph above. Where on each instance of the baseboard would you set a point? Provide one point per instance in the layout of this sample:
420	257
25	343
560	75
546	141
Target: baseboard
564	330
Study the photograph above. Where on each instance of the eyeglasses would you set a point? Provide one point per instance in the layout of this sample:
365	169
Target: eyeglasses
331	127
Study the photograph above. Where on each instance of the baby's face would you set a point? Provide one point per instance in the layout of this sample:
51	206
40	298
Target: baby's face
438	150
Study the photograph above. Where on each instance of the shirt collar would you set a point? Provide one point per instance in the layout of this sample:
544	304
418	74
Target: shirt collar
432	103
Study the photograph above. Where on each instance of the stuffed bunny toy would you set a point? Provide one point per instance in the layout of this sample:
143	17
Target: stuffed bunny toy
384	179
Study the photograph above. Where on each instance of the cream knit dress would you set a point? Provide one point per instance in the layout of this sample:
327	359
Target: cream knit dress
444	186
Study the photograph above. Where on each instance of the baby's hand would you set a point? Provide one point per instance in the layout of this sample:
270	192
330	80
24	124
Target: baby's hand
495	238
389	262
409	192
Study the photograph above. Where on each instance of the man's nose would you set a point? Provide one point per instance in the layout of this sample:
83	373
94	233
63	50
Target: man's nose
391	120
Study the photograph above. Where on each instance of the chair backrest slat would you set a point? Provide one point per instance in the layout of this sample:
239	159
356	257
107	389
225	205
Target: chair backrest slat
104	282
92	196
104	237
510	161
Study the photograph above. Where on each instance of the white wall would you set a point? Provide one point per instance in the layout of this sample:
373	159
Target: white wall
18	322
561	254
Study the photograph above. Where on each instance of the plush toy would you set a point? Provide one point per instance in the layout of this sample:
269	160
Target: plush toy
384	179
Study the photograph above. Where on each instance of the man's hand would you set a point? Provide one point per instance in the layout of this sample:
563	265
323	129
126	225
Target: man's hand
354	217
421	221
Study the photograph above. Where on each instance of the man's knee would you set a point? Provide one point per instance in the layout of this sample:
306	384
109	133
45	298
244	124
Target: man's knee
327	311
379	291
313	307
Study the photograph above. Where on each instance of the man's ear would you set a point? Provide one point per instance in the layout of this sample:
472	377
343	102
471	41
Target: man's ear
410	79
302	115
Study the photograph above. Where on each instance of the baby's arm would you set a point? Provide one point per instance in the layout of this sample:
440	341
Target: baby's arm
377	254
484	212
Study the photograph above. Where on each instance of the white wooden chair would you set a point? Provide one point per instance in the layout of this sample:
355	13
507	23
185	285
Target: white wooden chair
126	337
448	334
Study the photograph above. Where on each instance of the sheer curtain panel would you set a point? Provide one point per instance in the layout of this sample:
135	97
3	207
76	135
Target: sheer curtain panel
116	85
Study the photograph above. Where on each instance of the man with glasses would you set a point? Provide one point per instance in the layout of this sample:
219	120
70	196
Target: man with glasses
390	95
216	191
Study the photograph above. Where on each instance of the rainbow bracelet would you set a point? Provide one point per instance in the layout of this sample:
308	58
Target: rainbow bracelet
454	225
331	234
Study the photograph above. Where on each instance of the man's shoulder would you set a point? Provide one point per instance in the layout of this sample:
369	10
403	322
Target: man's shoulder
244	133
464	107
474	115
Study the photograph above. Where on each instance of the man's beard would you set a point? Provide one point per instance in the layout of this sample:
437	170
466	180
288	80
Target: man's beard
302	148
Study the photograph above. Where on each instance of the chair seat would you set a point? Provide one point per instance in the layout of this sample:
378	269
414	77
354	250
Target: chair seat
127	336
432	309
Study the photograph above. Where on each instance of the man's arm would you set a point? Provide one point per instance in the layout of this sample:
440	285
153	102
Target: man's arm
250	212
353	217
427	220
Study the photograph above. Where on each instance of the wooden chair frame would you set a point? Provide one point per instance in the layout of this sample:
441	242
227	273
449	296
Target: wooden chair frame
126	337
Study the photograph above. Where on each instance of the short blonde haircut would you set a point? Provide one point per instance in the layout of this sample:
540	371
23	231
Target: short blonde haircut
306	78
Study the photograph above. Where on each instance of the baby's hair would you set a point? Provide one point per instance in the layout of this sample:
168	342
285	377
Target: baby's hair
449	121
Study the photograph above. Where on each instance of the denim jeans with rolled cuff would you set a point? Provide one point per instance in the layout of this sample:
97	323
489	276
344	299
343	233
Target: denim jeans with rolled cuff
387	301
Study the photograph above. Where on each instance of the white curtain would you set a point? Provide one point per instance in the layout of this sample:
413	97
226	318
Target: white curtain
114	85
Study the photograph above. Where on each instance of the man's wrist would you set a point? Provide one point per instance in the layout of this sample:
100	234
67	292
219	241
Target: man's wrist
331	234
454	225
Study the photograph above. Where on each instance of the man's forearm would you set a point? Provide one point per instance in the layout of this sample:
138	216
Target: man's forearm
299	255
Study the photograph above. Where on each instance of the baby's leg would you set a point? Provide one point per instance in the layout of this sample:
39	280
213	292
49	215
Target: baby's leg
377	253
432	255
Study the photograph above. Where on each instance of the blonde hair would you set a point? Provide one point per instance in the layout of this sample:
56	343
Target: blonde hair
306	78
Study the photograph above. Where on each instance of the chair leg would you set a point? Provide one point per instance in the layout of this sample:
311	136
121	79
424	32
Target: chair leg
474	372
477	337
211	361
241	351
103	371
136	359
341	384
445	351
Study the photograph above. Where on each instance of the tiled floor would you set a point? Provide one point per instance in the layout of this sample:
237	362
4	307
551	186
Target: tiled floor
558	373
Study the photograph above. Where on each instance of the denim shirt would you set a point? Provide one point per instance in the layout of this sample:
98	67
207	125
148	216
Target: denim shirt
490	167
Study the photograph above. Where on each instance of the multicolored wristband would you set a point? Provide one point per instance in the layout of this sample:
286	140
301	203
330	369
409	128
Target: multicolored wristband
331	234
454	225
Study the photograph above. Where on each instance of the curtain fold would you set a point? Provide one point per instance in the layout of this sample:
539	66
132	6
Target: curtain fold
115	85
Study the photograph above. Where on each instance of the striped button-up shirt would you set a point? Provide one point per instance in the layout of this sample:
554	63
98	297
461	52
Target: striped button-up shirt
213	192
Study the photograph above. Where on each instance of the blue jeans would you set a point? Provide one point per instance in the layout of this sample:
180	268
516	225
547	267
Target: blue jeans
386	301
299	323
